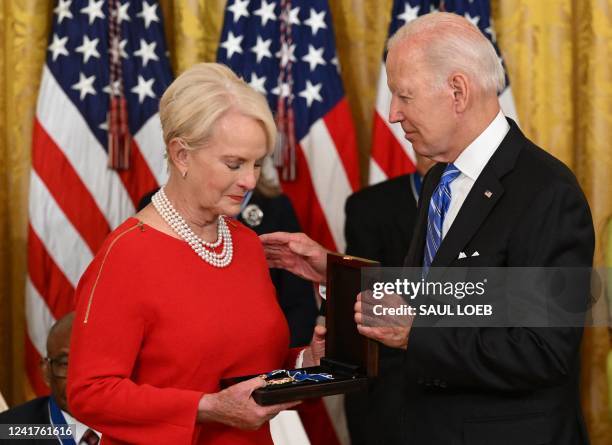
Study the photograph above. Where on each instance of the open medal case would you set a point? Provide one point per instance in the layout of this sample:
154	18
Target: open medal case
350	360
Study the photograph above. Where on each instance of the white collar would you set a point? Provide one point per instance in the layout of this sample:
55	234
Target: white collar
79	428
473	159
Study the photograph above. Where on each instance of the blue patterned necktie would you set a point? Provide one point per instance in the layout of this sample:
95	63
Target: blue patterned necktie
438	206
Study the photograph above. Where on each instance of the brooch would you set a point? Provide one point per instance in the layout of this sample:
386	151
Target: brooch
252	215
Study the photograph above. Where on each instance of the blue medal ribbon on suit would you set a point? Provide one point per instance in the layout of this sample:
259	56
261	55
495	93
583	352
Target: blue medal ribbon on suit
415	185
57	419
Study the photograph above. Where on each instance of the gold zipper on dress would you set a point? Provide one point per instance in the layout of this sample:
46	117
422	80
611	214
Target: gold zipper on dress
139	225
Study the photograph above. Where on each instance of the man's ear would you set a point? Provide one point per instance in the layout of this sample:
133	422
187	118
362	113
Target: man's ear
177	152
461	91
45	369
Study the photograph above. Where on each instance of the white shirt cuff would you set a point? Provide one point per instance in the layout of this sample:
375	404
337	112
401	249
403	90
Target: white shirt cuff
323	291
300	359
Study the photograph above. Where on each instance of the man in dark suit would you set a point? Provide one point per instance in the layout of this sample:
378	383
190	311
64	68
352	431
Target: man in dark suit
379	223
494	199
380	218
266	214
52	410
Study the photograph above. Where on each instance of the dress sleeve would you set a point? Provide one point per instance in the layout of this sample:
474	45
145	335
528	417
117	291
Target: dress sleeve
109	328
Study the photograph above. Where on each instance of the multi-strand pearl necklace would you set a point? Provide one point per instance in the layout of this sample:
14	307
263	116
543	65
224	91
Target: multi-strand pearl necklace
204	249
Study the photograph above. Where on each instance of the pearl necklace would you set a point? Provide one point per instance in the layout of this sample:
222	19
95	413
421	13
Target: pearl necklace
204	249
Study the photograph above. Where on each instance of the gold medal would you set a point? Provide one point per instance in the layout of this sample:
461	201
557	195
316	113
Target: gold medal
280	381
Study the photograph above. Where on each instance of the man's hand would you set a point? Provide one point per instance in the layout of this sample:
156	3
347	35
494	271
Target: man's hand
316	350
390	330
296	253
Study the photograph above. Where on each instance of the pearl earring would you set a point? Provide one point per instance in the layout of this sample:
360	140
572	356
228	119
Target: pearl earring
184	174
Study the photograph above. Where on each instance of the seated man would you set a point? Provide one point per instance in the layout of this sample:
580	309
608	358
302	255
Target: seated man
52	410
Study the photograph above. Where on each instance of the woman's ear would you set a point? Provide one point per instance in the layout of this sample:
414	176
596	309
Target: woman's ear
178	154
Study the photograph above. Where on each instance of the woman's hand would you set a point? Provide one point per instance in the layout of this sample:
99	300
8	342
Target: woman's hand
316	350
296	253
235	407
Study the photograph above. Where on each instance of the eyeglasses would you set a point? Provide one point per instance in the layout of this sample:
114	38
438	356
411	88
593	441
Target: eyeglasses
58	365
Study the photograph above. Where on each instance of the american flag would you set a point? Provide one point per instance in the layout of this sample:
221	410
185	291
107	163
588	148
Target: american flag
75	198
392	155
288	48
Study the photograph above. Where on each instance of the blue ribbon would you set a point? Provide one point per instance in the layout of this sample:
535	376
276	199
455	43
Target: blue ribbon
300	376
415	184
57	419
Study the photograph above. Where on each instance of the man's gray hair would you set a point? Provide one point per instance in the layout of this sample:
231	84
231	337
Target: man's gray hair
451	43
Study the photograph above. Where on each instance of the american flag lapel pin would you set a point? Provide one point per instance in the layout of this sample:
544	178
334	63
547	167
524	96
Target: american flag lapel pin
488	193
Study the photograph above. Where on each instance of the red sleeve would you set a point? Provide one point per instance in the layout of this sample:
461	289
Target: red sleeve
109	327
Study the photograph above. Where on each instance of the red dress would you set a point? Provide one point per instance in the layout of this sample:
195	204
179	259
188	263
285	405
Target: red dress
157	327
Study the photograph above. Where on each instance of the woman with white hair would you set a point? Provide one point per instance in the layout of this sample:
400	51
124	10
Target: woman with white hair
180	295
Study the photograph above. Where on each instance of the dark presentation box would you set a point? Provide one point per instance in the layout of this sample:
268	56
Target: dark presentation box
349	357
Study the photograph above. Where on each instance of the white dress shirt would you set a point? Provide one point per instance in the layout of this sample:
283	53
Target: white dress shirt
471	162
79	428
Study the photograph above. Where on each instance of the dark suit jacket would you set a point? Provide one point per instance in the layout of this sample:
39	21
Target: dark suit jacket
380	220
295	295
503	386
33	412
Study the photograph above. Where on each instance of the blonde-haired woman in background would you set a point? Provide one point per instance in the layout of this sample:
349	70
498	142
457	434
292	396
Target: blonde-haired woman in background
180	296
